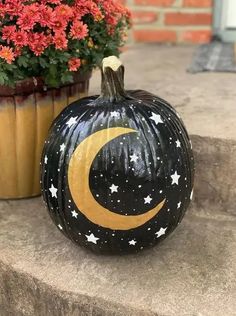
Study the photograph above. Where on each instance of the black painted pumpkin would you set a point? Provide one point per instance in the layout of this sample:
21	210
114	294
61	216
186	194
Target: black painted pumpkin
117	170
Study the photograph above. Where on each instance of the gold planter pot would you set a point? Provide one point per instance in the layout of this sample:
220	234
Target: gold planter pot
26	113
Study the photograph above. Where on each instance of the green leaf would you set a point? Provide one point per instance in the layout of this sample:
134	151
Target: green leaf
22	61
43	63
67	78
52	78
33	60
9	67
2	81
3	78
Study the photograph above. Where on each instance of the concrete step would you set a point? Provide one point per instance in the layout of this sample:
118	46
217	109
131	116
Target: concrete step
42	273
215	176
192	273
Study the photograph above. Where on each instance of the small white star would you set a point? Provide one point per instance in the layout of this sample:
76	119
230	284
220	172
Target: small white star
161	232
156	118
175	178
60	227
191	195
114	188
71	121
179	204
92	238
53	191
178	144
62	147
147	200
134	158
46	160
132	242
74	214
114	114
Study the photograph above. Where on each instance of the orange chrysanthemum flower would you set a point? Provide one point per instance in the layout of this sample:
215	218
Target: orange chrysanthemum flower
74	64
78	30
7	54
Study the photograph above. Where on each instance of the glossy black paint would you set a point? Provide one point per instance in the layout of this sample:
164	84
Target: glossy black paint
159	158
152	173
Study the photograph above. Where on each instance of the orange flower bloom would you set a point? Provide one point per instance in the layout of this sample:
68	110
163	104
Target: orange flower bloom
38	42
58	23
60	40
7	54
74	64
78	30
20	38
64	10
8	32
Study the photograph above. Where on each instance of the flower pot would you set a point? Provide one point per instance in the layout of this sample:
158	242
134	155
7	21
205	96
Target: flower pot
26	113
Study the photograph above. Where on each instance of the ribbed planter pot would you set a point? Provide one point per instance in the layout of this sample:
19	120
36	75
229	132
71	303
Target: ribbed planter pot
26	113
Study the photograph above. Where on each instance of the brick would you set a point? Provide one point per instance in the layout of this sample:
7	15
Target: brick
159	3
197	3
140	17
155	36
176	18
196	36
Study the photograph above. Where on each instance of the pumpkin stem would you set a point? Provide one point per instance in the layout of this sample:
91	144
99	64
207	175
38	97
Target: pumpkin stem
113	80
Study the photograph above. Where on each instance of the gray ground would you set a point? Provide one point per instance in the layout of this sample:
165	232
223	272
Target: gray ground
192	273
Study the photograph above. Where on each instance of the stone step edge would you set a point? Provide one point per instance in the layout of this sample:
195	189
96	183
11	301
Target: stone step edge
21	294
215	174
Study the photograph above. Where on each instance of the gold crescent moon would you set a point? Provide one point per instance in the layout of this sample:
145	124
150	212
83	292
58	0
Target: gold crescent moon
78	178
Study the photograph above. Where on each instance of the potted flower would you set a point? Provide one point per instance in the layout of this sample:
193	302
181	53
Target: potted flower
48	49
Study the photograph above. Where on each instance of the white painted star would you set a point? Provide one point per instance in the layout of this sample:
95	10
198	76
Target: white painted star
62	147
179	204
156	118
132	242
178	144
92	238
134	158
191	195
114	114
53	191
147	200
161	232
60	227
74	214
46	160
71	121
175	178
114	188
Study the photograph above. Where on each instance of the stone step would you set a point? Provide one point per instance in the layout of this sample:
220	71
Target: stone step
43	274
215	174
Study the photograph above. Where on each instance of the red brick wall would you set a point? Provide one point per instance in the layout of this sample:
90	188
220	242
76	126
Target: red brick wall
171	20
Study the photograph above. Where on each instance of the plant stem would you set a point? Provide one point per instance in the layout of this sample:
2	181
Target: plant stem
113	80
